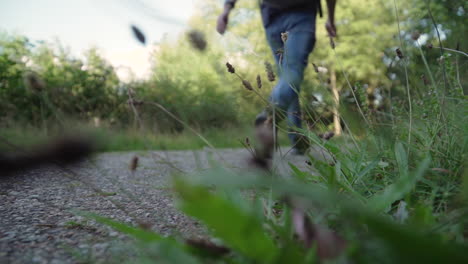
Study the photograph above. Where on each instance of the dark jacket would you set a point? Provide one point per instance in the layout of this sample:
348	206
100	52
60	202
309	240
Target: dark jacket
286	4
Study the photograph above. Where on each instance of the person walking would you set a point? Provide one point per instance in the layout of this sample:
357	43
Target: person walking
290	31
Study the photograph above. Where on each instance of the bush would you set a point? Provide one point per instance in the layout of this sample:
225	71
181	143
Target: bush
44	84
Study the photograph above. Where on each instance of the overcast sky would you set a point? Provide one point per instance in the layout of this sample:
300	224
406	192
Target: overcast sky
80	24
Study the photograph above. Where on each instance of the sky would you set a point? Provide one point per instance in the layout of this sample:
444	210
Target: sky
81	24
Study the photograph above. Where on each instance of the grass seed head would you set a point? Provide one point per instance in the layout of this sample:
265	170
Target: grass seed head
259	82
134	164
332	43
269	70
415	35
34	82
247	85
138	34
145	225
424	79
197	39
230	68
399	53
284	36
316	69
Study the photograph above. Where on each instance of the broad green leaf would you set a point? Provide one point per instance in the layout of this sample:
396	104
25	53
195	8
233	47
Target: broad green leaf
333	148
239	229
402	159
325	170
168	250
138	233
399	189
366	170
412	246
422	216
291	252
300	175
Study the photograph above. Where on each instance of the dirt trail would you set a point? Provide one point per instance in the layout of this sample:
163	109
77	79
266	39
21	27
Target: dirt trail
38	223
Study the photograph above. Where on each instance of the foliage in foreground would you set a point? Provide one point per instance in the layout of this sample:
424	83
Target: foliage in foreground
266	218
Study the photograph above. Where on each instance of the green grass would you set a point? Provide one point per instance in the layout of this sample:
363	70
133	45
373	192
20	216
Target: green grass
130	139
135	140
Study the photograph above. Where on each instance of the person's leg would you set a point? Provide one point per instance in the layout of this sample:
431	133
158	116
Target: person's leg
291	61
285	95
294	120
296	52
273	35
299	142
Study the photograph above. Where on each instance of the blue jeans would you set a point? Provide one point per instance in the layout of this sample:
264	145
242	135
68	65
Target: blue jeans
292	61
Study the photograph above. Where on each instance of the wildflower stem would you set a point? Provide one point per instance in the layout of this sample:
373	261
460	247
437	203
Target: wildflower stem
440	43
183	123
407	80
351	88
453	50
135	112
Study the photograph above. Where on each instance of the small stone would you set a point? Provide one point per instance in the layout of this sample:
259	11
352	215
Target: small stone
37	259
29	238
41	239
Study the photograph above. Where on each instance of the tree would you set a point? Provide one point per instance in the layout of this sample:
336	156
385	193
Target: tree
367	32
43	81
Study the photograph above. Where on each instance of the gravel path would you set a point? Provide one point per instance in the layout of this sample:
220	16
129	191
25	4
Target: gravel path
38	221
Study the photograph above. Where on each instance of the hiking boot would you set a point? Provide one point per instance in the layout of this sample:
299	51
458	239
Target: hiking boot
261	118
327	136
298	152
267	114
301	146
264	135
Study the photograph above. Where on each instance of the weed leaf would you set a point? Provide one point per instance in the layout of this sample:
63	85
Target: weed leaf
238	228
399	189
